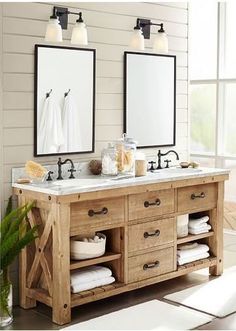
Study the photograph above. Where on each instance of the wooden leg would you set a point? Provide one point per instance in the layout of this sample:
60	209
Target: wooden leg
216	242
61	301
24	263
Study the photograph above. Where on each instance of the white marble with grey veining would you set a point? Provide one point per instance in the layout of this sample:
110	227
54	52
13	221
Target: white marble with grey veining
88	183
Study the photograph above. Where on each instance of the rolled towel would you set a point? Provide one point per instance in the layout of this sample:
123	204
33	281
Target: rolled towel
196	231
89	274
182	261
198	221
201	248
92	284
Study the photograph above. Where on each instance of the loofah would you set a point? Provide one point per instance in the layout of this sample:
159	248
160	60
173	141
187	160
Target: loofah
95	166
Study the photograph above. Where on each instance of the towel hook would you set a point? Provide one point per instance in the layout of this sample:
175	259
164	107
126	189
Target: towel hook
65	95
48	93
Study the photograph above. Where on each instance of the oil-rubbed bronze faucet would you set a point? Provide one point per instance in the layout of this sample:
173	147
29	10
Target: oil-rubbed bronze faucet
60	163
159	155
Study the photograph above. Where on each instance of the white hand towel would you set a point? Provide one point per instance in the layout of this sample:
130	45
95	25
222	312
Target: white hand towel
50	135
88	274
201	227
92	284
196	231
182	261
201	248
183	247
198	221
71	125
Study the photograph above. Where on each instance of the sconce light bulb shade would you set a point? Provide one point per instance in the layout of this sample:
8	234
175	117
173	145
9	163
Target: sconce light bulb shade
79	34
53	30
137	40
160	44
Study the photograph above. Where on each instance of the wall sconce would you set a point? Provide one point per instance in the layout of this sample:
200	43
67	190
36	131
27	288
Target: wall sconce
59	21
142	31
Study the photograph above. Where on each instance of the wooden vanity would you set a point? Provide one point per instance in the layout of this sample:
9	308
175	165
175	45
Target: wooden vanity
140	225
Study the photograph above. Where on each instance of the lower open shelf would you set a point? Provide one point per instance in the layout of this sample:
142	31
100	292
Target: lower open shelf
193	237
201	262
108	256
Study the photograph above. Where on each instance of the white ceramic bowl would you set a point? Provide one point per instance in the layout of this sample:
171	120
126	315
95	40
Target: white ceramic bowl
81	250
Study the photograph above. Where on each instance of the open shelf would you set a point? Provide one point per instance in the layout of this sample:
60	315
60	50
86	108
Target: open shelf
97	292
211	260
108	256
192	237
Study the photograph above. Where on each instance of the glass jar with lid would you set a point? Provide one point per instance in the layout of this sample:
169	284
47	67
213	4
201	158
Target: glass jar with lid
109	160
126	148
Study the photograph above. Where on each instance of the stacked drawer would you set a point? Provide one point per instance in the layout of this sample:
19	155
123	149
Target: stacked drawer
151	243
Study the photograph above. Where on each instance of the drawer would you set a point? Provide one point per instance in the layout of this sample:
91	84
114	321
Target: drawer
96	212
151	264
197	197
150	204
151	234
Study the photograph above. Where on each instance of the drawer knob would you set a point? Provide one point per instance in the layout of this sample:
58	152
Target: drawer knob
147	204
103	211
151	265
198	196
151	234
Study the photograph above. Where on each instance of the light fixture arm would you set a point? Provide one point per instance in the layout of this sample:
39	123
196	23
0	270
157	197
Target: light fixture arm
145	26
62	14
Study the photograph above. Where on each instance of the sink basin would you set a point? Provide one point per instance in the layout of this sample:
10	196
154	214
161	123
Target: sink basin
80	182
181	170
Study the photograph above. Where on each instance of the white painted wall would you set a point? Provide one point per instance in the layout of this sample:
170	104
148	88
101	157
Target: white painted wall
109	28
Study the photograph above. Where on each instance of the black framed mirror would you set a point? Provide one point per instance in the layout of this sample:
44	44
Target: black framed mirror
150	98
64	100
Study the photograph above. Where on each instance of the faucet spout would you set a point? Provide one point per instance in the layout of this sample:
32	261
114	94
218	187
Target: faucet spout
159	155
60	163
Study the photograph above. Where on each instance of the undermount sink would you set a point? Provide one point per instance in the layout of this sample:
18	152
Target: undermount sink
181	170
80	182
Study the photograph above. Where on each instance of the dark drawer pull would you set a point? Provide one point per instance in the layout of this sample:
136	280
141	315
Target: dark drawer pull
92	212
151	265
148	204
151	234
198	196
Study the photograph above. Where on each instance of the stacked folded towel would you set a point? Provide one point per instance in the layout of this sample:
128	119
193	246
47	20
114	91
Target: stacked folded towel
90	277
191	252
199	225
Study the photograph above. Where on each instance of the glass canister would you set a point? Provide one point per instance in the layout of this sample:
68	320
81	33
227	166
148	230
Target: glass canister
109	160
126	148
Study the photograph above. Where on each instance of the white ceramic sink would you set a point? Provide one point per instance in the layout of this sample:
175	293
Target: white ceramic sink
80	182
181	170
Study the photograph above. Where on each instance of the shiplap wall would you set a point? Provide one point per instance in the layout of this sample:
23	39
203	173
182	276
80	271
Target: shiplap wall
109	29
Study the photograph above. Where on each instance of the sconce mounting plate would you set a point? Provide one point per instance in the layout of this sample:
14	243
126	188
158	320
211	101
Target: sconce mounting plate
145	24
62	14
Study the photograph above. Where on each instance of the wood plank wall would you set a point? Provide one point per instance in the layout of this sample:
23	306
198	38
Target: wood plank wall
109	28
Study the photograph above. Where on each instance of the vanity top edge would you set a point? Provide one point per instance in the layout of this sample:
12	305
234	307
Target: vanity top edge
107	184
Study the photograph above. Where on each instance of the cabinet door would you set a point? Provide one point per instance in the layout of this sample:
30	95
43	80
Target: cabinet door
151	234
150	204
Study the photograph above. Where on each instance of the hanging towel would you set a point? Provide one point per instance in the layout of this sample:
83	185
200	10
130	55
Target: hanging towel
92	284
71	125
194	223
201	248
89	274
50	135
200	230
182	261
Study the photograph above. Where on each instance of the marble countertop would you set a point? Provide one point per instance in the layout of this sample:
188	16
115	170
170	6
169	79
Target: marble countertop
98	183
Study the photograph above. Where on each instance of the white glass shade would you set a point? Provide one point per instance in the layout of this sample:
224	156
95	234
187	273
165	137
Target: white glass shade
53	31
160	44
79	34
137	40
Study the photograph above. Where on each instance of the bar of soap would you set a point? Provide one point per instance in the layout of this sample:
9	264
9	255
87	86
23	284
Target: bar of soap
23	181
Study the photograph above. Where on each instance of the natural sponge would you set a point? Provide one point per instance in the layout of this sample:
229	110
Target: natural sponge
35	170
95	166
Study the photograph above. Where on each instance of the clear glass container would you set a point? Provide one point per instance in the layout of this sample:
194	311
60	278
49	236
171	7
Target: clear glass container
109	161
126	149
5	299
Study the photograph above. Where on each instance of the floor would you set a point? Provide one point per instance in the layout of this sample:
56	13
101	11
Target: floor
40	319
230	216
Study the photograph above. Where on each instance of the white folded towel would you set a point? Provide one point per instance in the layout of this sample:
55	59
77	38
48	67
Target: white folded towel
182	261
92	284
89	274
183	247
200	230
201	227
201	248
194	223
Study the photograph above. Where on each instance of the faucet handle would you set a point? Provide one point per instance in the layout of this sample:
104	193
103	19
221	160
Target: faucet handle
72	170
49	178
152	163
167	163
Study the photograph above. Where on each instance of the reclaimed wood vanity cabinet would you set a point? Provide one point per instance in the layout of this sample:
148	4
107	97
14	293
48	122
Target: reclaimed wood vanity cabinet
140	225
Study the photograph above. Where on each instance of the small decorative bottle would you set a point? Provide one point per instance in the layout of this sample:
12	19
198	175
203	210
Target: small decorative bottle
109	161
